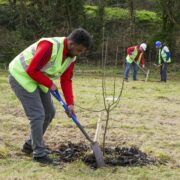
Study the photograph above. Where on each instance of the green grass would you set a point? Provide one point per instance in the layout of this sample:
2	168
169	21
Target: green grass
147	117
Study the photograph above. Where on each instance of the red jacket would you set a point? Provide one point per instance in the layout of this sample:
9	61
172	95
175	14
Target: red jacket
40	59
131	49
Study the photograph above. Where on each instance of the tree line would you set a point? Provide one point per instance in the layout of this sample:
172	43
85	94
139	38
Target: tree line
24	21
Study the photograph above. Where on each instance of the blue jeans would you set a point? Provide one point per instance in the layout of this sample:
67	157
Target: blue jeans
163	72
127	69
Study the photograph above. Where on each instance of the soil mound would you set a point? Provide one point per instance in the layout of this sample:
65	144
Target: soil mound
119	156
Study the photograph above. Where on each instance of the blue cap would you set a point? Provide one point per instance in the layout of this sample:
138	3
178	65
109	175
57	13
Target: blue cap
158	44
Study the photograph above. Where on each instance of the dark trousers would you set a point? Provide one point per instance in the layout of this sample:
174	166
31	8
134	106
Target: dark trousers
163	72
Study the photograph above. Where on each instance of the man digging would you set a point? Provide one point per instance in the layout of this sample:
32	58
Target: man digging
32	75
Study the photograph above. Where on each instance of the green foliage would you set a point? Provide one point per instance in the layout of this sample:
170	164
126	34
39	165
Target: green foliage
123	14
12	43
30	20
90	11
116	14
115	2
3	2
7	17
95	22
147	16
169	12
24	22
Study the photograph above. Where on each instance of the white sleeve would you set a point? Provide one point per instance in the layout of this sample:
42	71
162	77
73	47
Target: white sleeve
165	48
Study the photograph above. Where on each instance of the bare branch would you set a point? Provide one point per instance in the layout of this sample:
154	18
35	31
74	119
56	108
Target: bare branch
119	97
114	92
103	74
91	110
106	127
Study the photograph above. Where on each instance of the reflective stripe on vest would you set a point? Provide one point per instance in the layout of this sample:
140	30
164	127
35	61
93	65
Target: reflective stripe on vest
134	54
33	50
53	69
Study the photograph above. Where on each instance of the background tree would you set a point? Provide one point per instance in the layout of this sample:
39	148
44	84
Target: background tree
24	21
170	14
131	7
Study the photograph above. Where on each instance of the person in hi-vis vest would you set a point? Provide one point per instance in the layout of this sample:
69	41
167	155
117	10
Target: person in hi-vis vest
164	57
32	75
135	57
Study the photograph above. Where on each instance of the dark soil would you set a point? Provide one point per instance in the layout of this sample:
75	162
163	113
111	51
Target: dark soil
119	156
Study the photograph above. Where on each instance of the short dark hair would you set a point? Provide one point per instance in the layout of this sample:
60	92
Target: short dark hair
81	36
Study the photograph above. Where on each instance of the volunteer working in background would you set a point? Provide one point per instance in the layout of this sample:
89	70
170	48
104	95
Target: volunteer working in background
164	57
135	57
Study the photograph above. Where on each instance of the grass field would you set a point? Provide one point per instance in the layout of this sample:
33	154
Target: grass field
148	116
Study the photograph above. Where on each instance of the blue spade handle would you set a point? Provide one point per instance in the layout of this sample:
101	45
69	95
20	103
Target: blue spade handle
56	94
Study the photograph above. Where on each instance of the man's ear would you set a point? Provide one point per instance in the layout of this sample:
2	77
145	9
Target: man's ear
71	43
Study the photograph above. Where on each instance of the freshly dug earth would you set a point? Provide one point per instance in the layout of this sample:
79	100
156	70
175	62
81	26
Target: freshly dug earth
119	156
